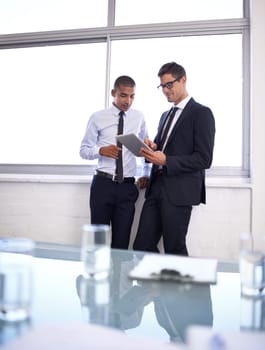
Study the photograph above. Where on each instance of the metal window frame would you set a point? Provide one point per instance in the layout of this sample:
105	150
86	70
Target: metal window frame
156	30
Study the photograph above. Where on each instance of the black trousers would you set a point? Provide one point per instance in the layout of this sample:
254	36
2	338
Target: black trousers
113	204
160	218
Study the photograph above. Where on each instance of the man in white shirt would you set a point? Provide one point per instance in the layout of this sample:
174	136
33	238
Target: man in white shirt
112	201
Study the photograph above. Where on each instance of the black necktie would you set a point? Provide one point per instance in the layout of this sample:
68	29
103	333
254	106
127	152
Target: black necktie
119	167
166	127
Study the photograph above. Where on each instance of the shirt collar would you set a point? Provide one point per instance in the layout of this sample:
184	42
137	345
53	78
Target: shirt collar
182	104
116	110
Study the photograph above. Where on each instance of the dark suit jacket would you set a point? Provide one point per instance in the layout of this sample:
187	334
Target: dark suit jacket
189	152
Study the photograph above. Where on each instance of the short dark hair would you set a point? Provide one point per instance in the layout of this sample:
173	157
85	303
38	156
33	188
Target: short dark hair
124	80
172	68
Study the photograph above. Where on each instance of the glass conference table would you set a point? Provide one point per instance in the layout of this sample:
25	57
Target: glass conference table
156	310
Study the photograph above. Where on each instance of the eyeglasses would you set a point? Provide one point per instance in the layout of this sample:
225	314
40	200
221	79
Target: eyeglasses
169	84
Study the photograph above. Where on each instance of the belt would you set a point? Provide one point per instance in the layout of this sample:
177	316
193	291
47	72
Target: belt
113	177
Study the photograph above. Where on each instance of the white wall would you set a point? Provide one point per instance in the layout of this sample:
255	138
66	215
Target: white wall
54	211
258	120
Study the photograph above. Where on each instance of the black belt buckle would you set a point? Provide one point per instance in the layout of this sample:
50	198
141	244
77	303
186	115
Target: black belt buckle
114	179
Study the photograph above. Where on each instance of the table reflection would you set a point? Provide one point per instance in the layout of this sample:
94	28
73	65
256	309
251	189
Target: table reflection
119	302
10	330
252	313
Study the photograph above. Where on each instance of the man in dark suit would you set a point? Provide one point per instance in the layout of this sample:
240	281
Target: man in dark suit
182	150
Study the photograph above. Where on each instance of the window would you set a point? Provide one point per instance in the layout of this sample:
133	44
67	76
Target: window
212	79
52	81
47	96
20	16
155	11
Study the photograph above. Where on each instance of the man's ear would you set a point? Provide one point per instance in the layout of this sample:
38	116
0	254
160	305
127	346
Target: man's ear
113	93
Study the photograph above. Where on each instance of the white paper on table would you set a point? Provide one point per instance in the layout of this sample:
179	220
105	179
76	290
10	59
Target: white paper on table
81	336
202	270
205	338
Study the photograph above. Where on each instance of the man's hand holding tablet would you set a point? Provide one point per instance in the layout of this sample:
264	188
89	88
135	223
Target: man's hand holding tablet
133	143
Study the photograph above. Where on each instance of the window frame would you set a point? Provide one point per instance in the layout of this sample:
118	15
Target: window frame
156	30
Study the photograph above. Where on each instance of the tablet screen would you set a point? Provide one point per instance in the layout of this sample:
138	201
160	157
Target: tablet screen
133	143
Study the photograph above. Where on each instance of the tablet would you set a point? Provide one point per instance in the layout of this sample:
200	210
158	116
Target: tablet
133	143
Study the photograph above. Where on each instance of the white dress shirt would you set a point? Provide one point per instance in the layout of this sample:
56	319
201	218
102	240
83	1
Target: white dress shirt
181	105
102	130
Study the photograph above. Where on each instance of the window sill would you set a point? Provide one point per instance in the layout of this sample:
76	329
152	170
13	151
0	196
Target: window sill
211	182
45	178
228	182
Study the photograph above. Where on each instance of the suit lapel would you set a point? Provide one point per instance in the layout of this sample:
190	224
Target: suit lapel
186	111
161	125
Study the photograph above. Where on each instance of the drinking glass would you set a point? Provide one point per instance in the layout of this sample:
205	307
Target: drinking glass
95	251
16	275
252	266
